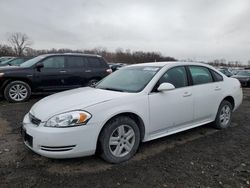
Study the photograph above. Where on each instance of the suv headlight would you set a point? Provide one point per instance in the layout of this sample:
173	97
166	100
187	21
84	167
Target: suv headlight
69	119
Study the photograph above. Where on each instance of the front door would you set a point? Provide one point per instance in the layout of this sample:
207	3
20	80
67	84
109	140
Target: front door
51	77
174	108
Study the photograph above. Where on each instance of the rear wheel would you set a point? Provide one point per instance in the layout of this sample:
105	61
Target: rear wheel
224	115
119	140
17	91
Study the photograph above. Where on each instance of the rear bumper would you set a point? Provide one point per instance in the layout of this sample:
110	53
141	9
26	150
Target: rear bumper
238	98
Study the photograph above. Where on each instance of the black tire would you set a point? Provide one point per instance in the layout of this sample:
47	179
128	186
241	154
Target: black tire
92	82
218	123
109	130
25	95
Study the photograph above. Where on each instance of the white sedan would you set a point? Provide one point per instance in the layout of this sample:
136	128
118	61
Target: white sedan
135	104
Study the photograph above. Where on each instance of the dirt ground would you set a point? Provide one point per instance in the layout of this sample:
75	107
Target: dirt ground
201	157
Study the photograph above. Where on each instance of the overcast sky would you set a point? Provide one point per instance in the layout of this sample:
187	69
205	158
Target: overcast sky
195	29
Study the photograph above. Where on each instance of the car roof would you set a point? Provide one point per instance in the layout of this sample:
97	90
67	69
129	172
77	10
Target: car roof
170	63
71	54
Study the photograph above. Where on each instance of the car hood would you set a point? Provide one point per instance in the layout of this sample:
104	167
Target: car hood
8	68
75	99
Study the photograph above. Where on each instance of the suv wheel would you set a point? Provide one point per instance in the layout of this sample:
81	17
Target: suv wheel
17	91
119	140
224	115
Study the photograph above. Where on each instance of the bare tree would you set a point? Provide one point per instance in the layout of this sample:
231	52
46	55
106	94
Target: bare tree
19	42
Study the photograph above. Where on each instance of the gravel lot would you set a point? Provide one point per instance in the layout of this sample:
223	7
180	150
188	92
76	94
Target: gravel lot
201	157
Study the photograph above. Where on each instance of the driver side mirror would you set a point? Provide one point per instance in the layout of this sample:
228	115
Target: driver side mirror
165	87
39	66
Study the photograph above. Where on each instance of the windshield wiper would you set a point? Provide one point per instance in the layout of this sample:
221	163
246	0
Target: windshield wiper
111	89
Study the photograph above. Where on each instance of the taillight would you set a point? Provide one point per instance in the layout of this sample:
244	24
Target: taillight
109	71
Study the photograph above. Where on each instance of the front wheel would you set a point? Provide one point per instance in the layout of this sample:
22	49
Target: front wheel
119	140
224	115
17	91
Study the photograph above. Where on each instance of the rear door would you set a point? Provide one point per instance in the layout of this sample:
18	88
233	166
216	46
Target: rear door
75	71
96	68
207	93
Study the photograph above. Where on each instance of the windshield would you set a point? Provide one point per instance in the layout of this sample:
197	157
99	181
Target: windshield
243	73
5	62
129	79
4	59
33	61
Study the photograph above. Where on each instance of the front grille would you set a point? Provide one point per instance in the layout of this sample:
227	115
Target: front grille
57	148
34	120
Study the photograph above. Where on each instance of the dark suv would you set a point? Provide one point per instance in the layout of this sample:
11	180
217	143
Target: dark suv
51	73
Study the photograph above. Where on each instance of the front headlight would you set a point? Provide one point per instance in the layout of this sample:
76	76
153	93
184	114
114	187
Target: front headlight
69	119
1	74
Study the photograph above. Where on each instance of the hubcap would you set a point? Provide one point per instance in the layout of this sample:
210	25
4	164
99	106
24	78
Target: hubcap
18	92
225	115
122	141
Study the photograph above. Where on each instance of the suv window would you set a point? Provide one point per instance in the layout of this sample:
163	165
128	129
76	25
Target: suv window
200	75
75	62
54	62
217	77
176	76
94	62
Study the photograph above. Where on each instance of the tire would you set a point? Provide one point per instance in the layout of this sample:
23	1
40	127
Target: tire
17	91
92	82
224	115
126	140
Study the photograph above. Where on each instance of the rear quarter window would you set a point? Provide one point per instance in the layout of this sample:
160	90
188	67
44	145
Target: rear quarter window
217	77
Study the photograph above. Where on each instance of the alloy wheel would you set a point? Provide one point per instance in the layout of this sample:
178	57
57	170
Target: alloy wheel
18	92
225	115
122	140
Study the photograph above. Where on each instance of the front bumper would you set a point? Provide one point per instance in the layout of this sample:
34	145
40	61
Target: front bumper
60	142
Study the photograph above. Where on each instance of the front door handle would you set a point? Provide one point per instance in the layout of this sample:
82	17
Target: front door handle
88	71
187	94
63	71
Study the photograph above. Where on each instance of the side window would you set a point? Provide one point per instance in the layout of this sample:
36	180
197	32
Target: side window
55	62
176	76
94	62
200	75
217	77
74	62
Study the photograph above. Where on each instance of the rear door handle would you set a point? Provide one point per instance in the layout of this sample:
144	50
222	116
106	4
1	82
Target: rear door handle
217	88
88	71
187	94
63	71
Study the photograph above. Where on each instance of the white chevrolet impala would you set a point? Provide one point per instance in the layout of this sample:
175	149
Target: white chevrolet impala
135	104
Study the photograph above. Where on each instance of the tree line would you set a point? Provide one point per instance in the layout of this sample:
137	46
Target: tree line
19	44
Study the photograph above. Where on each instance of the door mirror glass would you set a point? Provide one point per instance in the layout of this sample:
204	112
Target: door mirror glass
165	87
